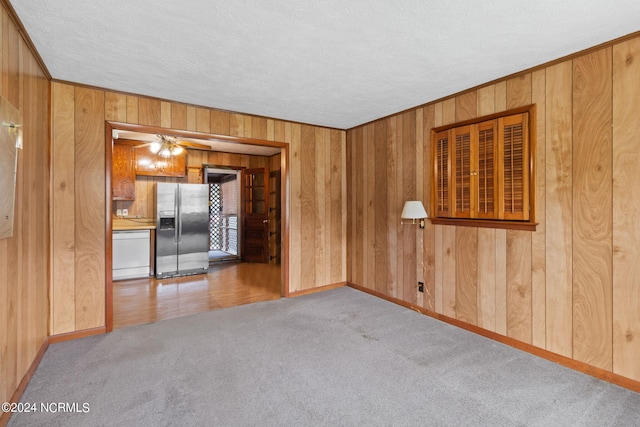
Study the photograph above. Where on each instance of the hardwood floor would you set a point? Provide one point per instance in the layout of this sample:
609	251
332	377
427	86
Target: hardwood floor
139	301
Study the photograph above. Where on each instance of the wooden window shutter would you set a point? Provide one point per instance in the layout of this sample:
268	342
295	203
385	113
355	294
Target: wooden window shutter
441	176
461	172
514	176
487	175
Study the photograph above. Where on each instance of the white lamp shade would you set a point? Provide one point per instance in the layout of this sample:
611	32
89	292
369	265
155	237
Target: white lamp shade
413	209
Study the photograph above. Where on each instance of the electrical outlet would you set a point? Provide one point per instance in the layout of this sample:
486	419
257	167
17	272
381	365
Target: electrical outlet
119	212
125	212
420	286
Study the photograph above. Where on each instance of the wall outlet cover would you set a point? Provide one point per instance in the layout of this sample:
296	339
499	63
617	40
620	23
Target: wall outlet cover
119	212
125	212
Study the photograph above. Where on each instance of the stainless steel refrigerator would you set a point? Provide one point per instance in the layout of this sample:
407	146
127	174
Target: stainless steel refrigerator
182	229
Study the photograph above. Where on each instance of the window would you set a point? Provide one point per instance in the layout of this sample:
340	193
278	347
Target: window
482	170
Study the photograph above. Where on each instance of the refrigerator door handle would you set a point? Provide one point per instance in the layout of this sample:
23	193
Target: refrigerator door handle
176	214
179	210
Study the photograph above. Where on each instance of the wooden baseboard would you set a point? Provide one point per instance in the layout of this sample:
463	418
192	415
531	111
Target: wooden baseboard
76	335
4	416
536	351
318	289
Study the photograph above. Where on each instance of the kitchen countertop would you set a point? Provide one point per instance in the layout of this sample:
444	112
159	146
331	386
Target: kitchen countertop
123	224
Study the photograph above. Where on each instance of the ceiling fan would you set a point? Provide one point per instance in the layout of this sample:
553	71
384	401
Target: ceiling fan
167	146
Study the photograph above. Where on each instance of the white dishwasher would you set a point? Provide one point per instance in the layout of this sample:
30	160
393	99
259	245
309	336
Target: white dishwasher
131	254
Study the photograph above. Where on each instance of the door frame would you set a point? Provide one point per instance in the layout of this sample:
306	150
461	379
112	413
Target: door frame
285	205
231	171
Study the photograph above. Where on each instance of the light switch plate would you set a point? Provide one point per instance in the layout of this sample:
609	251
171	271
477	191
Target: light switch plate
119	212
125	212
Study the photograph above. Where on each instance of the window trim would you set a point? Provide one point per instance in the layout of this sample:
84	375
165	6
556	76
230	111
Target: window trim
527	225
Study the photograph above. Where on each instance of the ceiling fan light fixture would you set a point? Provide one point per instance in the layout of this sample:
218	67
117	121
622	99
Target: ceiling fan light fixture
176	150
165	151
155	147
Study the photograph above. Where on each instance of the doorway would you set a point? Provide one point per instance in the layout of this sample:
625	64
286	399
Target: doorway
224	214
223	149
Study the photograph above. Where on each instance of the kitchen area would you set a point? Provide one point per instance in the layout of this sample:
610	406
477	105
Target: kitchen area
161	232
148	211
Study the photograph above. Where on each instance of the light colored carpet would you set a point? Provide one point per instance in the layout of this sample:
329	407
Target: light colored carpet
340	357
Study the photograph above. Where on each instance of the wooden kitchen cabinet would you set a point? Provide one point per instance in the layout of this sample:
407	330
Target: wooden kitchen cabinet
150	164
123	174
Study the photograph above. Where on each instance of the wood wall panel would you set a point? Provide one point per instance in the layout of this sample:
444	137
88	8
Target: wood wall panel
559	208
519	91
626	209
369	214
396	127
308	204
381	256
486	278
466	278
449	250
203	120
418	147
569	287
115	106
149	112
448	236
62	210
179	116
392	215
25	257
236	125
192	118
538	238
518	305
165	114
592	206
428	243
89	208
321	220
259	128
132	110
360	203
220	122
409	193
337	206
466	106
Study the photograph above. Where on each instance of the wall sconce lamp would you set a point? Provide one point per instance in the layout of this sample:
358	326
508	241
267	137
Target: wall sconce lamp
15	131
414	210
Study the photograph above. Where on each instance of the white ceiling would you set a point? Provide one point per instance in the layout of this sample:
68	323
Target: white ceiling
336	63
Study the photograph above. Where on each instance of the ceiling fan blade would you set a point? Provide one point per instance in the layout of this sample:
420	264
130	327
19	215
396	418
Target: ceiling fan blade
136	143
190	144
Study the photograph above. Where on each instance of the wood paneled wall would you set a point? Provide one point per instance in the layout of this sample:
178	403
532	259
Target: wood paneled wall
317	201
24	258
572	287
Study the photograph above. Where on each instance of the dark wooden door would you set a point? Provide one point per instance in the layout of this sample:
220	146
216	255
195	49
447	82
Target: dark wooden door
255	215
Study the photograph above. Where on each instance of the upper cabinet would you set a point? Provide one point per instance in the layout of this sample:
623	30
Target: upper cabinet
151	164
123	176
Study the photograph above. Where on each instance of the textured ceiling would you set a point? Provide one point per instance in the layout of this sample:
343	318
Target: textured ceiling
336	63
